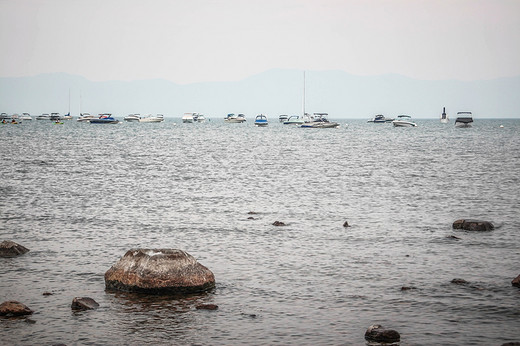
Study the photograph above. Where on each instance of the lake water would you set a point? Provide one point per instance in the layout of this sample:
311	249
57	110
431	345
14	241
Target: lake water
80	195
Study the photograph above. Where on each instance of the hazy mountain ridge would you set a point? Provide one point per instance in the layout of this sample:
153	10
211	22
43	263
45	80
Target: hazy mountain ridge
274	92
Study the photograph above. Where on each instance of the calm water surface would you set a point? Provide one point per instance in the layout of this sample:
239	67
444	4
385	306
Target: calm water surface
80	195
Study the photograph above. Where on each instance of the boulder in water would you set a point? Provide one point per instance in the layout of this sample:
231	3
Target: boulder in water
473	225
379	334
14	308
158	271
516	281
84	303
11	249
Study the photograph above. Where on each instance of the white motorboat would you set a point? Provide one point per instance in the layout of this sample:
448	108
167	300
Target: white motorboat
148	118
233	118
44	116
319	121
67	117
404	121
464	119
199	117
380	119
85	117
26	116
188	117
261	120
55	117
294	120
132	117
444	116
283	118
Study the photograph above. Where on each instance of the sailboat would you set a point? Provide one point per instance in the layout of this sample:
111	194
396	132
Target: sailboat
67	116
444	116
318	120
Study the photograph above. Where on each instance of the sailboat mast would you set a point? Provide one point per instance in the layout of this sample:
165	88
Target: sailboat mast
303	102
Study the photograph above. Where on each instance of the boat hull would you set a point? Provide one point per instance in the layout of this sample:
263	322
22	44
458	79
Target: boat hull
403	124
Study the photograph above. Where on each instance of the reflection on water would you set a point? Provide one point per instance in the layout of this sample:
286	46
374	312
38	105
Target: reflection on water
79	196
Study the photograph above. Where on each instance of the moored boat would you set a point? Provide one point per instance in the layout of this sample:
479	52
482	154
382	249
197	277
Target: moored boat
320	121
464	119
44	116
105	118
188	117
26	116
404	121
444	116
261	120
151	119
233	118
132	117
84	117
380	119
283	118
294	120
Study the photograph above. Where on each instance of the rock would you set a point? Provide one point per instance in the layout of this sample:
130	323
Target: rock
407	288
278	223
251	218
14	308
207	307
515	343
47	293
345	224
11	249
516	281
379	334
452	237
84	303
252	213
473	225
159	271
459	282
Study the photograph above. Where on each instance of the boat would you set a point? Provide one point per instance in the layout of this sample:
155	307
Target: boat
105	118
132	117
55	117
319	121
283	118
261	120
85	117
199	118
188	117
67	116
444	116
26	116
380	119
233	118
44	116
403	121
464	119
294	120
151	119
5	116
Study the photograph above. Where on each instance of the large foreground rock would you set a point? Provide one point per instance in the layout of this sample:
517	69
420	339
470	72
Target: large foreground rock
473	225
159	271
84	303
379	334
14	308
516	281
11	249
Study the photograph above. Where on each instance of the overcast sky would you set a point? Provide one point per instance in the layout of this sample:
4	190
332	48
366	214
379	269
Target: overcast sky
189	41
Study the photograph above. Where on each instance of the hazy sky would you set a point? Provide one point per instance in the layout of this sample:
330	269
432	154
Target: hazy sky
188	41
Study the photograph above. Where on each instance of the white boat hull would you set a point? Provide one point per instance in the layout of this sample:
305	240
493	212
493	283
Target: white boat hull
151	120
403	124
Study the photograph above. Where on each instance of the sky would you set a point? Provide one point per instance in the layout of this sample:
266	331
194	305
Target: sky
228	40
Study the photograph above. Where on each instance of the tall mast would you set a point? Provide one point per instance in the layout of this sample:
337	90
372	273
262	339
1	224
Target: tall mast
303	102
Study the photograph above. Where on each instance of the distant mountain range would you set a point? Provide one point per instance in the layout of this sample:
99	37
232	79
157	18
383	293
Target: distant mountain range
273	92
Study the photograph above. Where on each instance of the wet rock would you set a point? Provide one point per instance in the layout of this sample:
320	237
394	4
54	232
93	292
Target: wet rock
511	344
452	237
516	281
11	249
207	307
159	271
407	288
473	225
379	334
251	218
84	303
345	224
252	213
14	308
278	223
459	282
47	293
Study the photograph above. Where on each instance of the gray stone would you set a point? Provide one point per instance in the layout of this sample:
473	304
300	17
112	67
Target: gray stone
14	308
473	225
84	303
379	334
159	271
11	249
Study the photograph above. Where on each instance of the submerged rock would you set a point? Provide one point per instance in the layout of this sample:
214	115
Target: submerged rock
278	223
473	225
84	303
459	282
159	271
11	249
516	281
207	307
345	224
379	334
14	308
